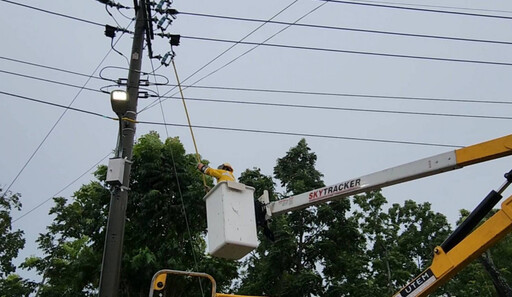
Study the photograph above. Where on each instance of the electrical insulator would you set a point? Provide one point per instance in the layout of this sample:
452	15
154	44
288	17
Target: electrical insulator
166	59
160	5
164	23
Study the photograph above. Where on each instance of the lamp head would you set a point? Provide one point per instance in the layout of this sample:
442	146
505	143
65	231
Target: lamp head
119	101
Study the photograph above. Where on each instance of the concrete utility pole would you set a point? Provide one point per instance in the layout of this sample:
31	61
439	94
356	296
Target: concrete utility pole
112	253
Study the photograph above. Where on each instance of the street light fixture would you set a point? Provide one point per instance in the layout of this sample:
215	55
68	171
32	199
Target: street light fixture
116	165
119	101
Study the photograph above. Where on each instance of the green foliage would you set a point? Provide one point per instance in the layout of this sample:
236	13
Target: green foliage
366	248
334	249
399	241
258	181
14	286
296	170
11	242
158	232
342	248
287	267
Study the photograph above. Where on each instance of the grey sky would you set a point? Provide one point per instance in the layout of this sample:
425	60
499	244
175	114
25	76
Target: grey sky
80	140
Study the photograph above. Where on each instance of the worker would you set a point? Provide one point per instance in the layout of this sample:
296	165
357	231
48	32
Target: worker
223	173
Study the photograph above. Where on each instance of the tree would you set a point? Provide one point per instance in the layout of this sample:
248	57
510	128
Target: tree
343	251
11	242
400	240
165	228
287	267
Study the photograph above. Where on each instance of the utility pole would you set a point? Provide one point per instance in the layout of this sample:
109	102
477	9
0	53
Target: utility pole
112	252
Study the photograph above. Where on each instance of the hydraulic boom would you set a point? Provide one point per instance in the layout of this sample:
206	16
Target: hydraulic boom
460	248
452	160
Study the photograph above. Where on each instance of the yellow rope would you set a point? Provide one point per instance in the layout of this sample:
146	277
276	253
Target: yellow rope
188	119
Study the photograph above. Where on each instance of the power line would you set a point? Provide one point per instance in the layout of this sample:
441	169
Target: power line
257	90
58	119
249	130
352	52
176	171
57	105
331	108
70	71
284	23
253	48
306	135
348	29
225	51
62	190
48	67
242	39
420	9
55	13
49	133
49	81
331	94
438	6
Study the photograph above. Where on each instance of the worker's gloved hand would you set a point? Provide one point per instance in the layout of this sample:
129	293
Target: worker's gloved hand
201	167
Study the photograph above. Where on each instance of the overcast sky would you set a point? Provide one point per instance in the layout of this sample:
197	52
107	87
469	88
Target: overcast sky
313	65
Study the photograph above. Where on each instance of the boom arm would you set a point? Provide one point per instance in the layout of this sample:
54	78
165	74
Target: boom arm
460	248
456	159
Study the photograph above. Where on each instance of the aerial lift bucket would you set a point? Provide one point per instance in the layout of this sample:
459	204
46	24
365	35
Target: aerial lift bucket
231	220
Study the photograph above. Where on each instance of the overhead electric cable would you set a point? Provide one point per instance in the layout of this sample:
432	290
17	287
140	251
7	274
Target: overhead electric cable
248	51
305	134
57	105
331	94
437	6
61	190
228	49
261	90
421	9
256	45
176	173
58	120
352	52
349	29
251	130
55	13
48	67
334	108
242	39
331	108
198	158
69	71
49	81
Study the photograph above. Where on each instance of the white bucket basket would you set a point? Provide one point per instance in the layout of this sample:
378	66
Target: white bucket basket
231	220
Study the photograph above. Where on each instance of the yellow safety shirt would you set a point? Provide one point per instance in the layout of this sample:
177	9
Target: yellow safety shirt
220	175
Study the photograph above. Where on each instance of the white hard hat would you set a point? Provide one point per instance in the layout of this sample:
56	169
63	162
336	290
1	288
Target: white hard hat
226	165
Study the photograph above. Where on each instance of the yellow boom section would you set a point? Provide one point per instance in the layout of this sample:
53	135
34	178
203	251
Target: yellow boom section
230	295
446	265
484	151
159	281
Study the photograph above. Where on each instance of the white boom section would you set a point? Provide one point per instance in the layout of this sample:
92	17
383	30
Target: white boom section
492	149
391	176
